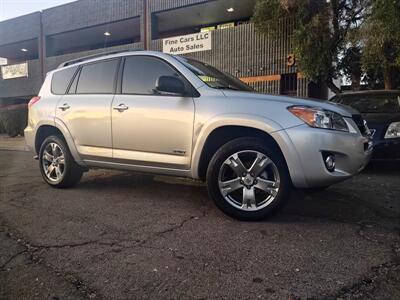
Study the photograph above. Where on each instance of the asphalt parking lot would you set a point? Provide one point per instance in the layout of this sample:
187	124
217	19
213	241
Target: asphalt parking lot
120	235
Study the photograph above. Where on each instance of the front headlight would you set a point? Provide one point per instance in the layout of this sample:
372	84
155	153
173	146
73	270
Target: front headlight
319	118
393	131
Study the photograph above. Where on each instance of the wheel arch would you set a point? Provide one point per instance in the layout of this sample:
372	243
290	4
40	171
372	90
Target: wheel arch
43	132
223	134
57	128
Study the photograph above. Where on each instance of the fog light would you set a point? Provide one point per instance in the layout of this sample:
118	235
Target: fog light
330	163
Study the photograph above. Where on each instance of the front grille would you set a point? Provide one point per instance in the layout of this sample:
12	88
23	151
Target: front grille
361	124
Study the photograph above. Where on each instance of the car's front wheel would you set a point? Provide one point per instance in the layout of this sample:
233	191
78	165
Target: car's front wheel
248	179
57	165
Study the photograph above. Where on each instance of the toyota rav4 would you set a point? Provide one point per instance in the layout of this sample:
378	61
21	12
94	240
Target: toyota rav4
157	113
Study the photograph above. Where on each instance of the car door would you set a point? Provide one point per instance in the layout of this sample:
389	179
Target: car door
149	128
86	109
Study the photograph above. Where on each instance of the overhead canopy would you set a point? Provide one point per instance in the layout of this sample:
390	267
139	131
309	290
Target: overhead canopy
100	36
193	17
20	51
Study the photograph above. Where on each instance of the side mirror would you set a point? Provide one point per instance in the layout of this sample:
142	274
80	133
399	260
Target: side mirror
171	85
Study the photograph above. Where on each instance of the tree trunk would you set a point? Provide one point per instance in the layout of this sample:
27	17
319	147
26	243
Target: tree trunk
389	78
333	87
355	82
288	4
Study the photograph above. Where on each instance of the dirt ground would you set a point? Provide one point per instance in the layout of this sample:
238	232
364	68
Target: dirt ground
121	235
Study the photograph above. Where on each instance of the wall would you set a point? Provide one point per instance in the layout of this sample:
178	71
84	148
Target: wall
157	5
240	51
85	13
68	17
26	86
250	55
19	29
54	61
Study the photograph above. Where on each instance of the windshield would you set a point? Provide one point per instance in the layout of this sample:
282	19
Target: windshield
386	103
213	77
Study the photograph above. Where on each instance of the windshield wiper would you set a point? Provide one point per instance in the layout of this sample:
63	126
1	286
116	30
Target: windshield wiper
226	88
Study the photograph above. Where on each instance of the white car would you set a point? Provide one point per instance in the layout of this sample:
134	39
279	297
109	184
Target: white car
158	113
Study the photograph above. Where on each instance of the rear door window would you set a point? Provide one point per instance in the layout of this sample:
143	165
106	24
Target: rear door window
98	78
61	80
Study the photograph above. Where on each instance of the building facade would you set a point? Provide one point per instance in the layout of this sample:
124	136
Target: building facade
39	42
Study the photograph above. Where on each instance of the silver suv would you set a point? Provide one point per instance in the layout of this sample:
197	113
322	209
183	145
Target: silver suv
156	113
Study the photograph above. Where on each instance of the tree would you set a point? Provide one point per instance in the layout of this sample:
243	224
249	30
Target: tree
350	66
320	32
381	39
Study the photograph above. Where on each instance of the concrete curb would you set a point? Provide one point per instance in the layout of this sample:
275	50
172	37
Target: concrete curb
14	148
12	144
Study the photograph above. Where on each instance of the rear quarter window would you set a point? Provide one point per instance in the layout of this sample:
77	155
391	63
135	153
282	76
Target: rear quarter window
61	80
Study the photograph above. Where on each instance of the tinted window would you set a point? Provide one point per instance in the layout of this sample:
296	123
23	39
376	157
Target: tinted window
61	80
213	77
141	74
98	78
380	103
72	88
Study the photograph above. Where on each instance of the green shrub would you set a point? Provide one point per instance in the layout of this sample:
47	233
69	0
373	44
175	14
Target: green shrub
13	120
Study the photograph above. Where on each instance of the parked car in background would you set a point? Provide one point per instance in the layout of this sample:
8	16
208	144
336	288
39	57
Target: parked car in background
381	110
159	113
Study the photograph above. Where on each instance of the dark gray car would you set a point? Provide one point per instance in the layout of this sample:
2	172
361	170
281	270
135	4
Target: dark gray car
381	109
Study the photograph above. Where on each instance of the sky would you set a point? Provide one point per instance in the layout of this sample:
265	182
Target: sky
15	8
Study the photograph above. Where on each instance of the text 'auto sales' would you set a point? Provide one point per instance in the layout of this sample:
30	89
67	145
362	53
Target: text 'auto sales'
187	43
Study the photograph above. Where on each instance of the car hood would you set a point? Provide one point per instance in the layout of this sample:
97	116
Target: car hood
381	118
344	110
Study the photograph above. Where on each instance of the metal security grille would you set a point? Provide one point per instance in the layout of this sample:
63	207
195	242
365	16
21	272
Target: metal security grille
289	84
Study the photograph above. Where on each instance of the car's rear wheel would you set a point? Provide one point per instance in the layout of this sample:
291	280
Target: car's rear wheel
248	179
57	165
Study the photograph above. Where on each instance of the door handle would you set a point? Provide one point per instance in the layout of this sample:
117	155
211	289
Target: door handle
64	107
121	107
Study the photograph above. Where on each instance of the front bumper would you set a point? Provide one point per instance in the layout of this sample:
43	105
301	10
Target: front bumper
386	149
352	153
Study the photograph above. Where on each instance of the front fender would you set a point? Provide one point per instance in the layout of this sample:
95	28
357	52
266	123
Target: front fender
203	130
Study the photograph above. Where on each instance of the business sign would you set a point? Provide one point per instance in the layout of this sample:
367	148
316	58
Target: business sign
14	71
188	43
3	61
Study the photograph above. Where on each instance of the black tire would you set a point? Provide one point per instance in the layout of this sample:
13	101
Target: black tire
72	172
253	144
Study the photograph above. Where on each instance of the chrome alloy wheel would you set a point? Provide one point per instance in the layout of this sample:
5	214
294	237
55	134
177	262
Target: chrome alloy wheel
53	162
249	180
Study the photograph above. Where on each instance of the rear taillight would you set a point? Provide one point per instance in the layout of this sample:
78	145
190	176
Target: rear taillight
33	101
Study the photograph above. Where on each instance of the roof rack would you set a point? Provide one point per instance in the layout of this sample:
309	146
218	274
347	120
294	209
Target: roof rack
81	59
